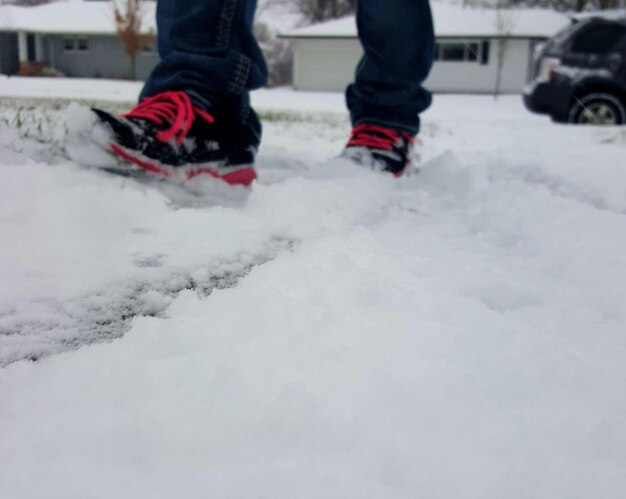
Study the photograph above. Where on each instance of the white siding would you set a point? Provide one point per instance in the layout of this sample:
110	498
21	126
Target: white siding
329	65
473	77
105	58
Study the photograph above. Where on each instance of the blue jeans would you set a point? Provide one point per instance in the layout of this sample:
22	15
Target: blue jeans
207	48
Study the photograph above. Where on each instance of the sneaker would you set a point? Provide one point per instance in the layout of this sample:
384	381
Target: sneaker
167	136
381	148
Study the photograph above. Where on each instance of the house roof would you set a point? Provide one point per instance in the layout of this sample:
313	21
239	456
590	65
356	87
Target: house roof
450	21
69	17
459	22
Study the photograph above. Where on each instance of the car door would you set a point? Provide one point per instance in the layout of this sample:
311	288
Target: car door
618	60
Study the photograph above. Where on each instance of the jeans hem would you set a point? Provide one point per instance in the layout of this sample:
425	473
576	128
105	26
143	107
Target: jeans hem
413	130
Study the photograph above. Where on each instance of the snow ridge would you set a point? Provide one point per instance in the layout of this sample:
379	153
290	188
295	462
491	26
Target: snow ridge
459	333
34	330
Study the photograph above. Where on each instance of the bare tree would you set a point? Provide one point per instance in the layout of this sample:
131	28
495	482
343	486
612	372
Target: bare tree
323	10
505	22
128	21
278	55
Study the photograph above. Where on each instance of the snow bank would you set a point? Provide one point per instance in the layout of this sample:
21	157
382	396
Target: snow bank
70	17
454	334
46	90
70	88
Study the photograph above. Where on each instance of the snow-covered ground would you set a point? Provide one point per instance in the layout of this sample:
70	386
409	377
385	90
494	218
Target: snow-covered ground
55	91
329	333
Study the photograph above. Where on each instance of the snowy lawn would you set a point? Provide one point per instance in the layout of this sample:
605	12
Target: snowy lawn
460	333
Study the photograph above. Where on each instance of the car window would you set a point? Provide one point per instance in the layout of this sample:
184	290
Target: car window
598	38
565	33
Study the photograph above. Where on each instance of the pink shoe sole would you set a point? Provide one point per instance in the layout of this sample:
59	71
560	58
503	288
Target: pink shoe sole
233	175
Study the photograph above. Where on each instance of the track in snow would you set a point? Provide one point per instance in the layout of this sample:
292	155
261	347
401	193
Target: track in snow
107	314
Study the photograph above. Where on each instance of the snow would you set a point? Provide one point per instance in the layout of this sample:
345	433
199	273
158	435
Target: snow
329	333
456	21
613	14
125	92
90	17
69	17
450	20
69	88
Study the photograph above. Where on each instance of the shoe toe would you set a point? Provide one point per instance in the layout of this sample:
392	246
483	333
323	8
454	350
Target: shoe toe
122	131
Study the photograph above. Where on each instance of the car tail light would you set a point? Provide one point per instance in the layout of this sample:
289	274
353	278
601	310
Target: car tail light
547	68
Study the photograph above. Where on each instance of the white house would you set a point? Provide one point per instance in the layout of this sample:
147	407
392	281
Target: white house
468	44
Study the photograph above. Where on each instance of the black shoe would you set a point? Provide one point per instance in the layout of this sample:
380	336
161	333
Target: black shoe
166	135
380	148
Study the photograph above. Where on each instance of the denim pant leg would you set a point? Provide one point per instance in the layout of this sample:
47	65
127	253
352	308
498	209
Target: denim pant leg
399	46
207	48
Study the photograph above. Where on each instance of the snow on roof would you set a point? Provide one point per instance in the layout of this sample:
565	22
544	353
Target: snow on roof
610	14
456	21
69	17
450	21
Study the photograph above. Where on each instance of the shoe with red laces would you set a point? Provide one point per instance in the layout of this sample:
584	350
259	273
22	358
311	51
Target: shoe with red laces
167	136
380	148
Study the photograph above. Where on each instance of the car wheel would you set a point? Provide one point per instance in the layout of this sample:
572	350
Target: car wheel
598	109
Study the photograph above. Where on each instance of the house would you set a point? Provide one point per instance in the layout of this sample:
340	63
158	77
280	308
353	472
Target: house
469	41
76	38
80	39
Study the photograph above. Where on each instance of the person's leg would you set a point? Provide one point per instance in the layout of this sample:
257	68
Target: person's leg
195	109
398	42
207	48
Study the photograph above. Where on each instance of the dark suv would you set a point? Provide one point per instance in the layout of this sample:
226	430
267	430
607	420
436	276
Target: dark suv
580	74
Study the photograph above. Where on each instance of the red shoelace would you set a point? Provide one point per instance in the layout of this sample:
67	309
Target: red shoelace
174	108
377	137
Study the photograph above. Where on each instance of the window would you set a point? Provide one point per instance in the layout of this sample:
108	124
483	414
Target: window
484	52
82	44
462	51
69	43
75	44
452	52
565	33
30	45
472	51
598	38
